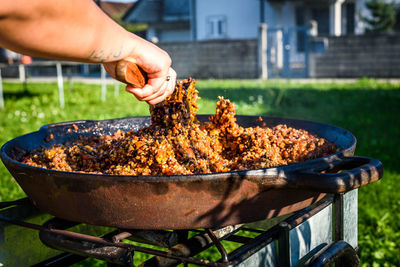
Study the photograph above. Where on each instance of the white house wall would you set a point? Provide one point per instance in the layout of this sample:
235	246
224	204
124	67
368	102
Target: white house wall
242	17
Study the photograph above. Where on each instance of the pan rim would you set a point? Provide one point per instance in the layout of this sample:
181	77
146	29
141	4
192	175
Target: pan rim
272	171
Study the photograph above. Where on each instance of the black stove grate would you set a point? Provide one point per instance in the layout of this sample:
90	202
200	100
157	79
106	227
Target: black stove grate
170	248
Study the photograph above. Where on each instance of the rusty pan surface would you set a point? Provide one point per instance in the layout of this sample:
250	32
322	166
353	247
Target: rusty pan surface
185	201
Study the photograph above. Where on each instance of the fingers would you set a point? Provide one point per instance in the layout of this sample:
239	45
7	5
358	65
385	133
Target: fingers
170	87
157	89
171	82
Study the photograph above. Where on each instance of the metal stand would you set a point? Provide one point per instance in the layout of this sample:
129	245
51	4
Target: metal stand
340	253
280	244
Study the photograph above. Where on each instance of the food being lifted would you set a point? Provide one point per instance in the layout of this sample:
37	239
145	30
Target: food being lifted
176	143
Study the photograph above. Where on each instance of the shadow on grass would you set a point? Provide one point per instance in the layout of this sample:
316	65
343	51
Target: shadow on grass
21	90
20	94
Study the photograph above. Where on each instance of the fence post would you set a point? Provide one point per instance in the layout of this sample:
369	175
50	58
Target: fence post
103	83
60	83
1	92
312	48
262	52
21	70
22	76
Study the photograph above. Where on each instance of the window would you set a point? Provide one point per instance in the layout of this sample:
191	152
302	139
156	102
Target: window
216	27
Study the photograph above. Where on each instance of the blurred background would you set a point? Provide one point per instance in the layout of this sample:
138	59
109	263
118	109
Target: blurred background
334	61
256	39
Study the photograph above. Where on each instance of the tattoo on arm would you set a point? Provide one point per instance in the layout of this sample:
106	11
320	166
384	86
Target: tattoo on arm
118	54
101	56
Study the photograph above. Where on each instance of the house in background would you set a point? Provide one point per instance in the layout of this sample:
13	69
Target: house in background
167	20
288	24
199	20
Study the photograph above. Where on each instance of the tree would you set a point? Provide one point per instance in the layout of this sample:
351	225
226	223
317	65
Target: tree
382	16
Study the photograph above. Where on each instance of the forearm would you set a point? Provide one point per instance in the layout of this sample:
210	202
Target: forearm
77	30
68	30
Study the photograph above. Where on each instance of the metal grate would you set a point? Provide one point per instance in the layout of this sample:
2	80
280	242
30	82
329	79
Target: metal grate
286	241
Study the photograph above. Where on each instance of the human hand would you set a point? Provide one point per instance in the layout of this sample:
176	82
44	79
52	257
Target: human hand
157	64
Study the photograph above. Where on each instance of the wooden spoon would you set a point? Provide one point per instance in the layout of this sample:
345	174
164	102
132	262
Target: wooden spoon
128	72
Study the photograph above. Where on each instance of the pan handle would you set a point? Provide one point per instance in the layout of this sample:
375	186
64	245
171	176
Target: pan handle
358	172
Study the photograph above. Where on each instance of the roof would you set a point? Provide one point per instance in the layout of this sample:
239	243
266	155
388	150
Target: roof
145	11
115	9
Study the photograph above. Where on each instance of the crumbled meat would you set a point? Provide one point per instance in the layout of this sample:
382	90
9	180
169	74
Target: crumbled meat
176	143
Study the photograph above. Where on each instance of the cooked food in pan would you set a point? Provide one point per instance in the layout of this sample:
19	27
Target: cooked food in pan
176	143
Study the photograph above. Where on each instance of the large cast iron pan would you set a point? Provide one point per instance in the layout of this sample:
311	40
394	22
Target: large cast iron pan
187	201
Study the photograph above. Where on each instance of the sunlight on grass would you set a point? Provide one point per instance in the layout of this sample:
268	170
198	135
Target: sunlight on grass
367	108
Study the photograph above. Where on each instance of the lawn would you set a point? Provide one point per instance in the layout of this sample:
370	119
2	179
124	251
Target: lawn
367	108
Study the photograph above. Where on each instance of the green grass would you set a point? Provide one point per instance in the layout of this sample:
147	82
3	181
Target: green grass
367	108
